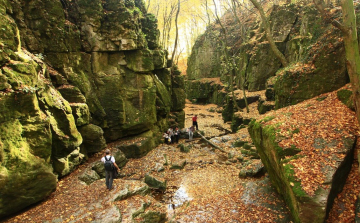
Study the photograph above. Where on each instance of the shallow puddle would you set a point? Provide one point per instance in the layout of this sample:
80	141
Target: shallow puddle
179	198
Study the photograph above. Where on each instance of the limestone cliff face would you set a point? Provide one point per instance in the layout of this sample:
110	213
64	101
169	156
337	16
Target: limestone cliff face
73	75
291	157
313	48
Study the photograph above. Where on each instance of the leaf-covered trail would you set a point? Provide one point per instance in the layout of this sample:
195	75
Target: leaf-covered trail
214	191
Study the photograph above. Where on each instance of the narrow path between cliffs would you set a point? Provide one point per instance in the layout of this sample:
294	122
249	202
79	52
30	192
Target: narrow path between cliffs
202	185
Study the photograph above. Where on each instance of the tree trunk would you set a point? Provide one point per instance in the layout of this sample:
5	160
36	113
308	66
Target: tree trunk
177	32
234	11
352	50
227	61
269	37
246	102
217	147
207	13
349	31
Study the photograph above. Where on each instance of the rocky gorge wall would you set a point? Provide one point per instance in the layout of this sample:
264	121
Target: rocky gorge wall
314	50
73	76
307	156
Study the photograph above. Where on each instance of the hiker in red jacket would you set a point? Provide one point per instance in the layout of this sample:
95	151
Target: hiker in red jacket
194	119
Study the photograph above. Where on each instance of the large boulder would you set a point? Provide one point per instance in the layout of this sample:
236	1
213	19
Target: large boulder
137	146
154	182
306	154
262	65
325	73
93	137
206	90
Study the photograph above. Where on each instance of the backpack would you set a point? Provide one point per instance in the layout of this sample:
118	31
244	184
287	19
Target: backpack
109	165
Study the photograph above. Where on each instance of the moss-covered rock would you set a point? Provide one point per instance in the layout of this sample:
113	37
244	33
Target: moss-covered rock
294	86
138	146
265	106
135	187
163	98
65	136
117	29
93	138
9	40
180	164
178	81
132	110
4	82
72	94
269	89
99	70
68	162
262	65
278	158
150	29
236	121
75	69
164	76
81	113
177	119
282	21
205	58
240	99
153	182
178	96
253	168
140	60
184	148
151	216
206	90
89	176
120	160
300	35
159	58
43	28
26	176
346	97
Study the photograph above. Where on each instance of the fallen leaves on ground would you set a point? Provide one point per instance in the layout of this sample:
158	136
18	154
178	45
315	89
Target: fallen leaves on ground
216	192
328	122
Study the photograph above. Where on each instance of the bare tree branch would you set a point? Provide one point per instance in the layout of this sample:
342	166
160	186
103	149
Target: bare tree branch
269	37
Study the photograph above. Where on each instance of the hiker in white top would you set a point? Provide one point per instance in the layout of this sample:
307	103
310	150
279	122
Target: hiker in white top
191	132
109	173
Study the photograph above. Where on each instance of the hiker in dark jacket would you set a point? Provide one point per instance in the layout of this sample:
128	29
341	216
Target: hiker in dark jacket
177	135
109	174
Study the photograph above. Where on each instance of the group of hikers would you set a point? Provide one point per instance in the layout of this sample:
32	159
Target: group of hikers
171	136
